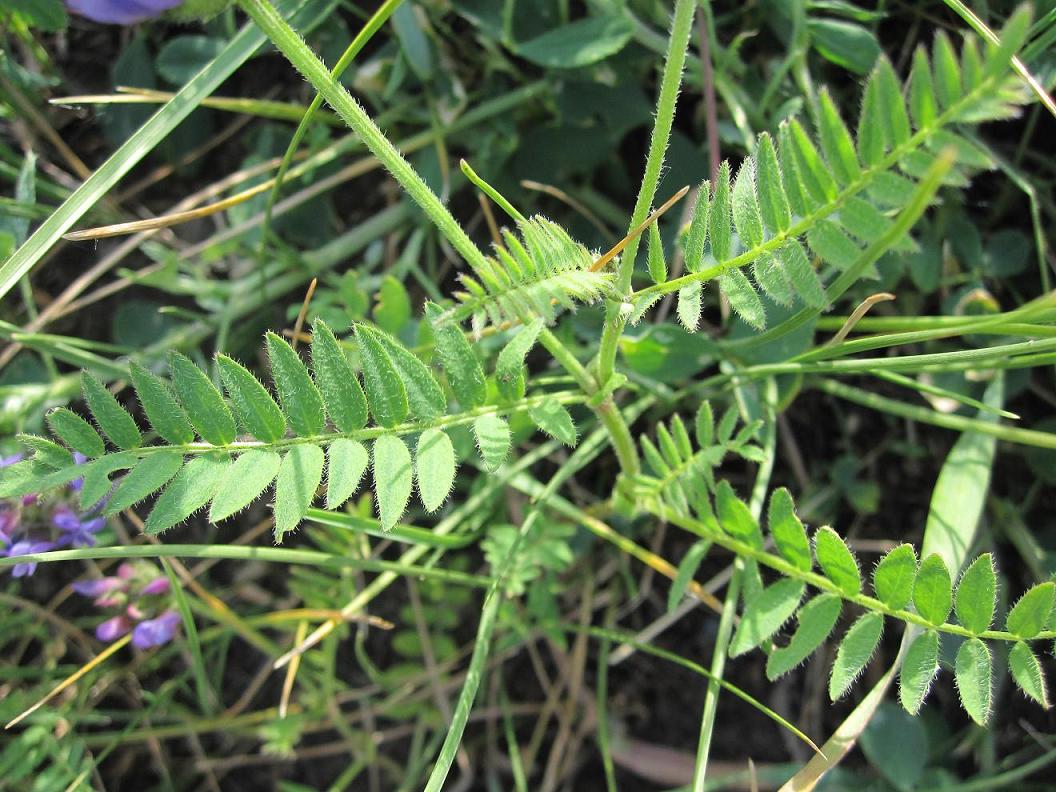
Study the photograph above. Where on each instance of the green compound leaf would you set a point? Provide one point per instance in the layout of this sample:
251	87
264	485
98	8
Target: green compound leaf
977	595
690	305
192	488
299	476
817	619
855	652
338	383
704	425
789	534
45	452
974	675
552	417
1030	614
244	482
386	395
746	216
1028	674
392	479
110	416
743	297
425	397
932	594
765	614
300	398
493	440
687	569
720	226
75	432
894	576
96	484
773	203
657	265
163	411
509	367
836	142
257	412
464	372
919	669
698	230
837	561
735	517
346	461
148	476
434	464
205	407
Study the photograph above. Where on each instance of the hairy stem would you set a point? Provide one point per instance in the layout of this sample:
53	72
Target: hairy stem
678	43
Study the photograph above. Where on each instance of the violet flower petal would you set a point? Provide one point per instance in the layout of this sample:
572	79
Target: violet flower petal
112	629
155	632
120	12
156	586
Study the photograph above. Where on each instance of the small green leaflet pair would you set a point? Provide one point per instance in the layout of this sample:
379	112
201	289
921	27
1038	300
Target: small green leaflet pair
326	408
920	594
838	194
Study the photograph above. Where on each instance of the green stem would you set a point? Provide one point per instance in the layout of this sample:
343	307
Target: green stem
278	555
372	26
678	43
725	629
264	14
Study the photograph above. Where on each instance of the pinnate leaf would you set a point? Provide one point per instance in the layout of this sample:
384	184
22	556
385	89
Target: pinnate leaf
192	488
75	432
656	263
1031	613
434	464
464	372
977	595
918	671
257	412
204	406
1028	674
746	216
837	561
689	305
243	483
974	676
836	141
765	614
552	417
338	383
493	439
346	461
425	397
300	398
149	475
110	416
743	298
735	517
789	534
386	395
773	203
164	413
300	473
894	576
816	621
720	228
509	367
854	653
392	479
932	594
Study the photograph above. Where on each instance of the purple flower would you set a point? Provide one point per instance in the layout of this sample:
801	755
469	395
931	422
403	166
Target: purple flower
97	587
156	586
112	629
155	632
76	532
8	524
27	547
120	12
10	460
